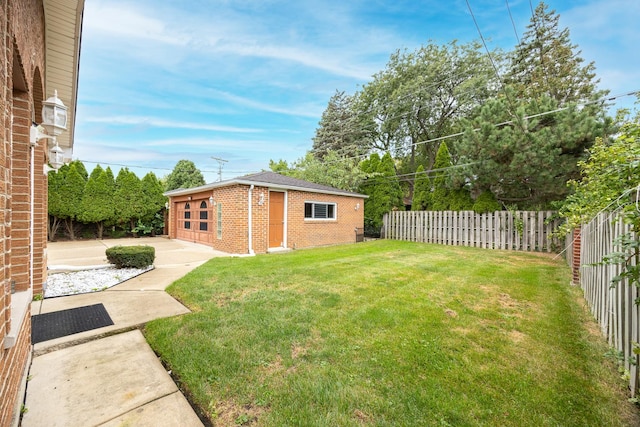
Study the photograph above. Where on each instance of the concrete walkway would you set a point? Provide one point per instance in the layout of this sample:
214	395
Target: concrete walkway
110	376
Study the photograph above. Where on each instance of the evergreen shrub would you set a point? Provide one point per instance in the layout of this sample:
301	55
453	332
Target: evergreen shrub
139	256
486	202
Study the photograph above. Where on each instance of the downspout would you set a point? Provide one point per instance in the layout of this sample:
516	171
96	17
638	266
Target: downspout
251	220
33	144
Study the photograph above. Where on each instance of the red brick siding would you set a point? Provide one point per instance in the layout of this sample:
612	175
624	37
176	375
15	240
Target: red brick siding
21	192
234	201
300	233
14	365
22	37
260	219
304	233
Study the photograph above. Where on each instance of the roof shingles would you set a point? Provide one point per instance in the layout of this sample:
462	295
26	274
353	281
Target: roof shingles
272	179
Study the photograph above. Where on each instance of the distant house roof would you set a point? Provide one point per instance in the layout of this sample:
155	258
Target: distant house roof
268	179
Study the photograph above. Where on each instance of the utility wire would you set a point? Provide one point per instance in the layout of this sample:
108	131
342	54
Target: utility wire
361	156
512	22
149	167
506	94
441	138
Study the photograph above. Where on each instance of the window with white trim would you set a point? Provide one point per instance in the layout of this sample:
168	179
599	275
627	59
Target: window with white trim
316	210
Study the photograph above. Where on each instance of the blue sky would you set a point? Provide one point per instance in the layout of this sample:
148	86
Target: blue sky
247	80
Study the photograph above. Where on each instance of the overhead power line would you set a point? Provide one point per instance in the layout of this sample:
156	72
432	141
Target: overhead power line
362	156
512	22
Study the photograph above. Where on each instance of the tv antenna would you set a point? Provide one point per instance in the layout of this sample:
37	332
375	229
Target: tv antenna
221	162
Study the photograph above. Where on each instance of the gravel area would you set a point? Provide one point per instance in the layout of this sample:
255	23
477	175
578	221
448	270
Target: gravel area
84	281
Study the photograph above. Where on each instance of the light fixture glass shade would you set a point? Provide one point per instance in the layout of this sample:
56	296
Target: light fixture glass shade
210	200
54	115
56	157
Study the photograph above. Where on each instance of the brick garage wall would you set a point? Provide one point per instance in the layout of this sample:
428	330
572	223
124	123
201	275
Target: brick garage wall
233	201
301	233
307	233
260	219
22	42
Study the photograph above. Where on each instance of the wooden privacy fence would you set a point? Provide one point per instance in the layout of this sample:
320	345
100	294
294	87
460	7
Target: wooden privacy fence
613	307
515	230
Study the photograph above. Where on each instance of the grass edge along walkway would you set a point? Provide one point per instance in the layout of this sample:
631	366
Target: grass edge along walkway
390	333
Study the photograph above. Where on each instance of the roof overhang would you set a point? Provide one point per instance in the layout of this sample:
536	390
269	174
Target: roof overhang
239	181
63	29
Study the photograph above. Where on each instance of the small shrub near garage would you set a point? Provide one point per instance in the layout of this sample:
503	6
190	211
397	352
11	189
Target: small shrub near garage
140	256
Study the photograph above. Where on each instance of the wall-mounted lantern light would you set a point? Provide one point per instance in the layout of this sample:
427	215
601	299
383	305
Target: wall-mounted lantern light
54	121
211	202
357	206
261	199
54	115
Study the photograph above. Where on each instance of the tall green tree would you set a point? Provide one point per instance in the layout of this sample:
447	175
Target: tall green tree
55	203
440	198
128	198
339	129
154	200
81	169
421	191
71	193
184	175
332	170
280	166
383	189
98	200
546	63
421	96
525	144
527	162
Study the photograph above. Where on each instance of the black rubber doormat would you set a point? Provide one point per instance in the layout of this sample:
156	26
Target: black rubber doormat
58	324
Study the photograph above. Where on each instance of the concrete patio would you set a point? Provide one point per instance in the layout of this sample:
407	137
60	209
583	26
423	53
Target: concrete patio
110	376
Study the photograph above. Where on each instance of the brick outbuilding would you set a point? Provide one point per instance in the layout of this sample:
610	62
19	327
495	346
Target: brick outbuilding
40	42
264	212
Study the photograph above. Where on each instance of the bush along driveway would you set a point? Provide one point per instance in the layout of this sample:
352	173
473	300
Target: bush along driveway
390	333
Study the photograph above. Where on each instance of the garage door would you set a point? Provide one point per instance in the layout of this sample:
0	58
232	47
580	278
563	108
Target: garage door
195	222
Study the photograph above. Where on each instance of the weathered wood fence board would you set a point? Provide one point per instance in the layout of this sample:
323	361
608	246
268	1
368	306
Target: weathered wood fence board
613	307
518	230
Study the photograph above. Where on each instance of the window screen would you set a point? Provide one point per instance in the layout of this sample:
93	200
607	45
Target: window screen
314	210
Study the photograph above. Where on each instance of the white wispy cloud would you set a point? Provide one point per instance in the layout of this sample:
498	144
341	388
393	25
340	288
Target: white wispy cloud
163	123
129	21
240	145
305	110
125	23
307	56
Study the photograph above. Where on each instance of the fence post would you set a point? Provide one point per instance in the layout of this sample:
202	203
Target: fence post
575	262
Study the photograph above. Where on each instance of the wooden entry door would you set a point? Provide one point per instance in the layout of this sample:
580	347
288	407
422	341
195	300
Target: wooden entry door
276	219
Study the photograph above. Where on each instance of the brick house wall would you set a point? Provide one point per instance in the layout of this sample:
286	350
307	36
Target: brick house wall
22	266
233	201
305	233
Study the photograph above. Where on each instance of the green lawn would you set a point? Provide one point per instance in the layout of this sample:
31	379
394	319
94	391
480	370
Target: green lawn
390	333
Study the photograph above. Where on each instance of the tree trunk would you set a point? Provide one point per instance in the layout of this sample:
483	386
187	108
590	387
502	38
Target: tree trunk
69	223
52	227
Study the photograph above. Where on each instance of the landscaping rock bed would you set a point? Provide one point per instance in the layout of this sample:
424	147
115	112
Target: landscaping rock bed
84	281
